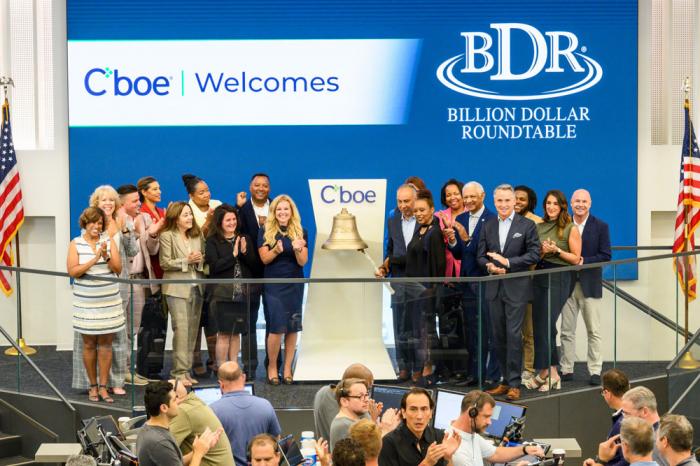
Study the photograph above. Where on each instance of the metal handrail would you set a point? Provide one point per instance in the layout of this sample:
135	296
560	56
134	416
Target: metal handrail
654	314
253	281
36	368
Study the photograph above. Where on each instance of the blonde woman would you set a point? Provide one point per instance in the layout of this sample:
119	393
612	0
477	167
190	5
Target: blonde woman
181	257
283	250
106	199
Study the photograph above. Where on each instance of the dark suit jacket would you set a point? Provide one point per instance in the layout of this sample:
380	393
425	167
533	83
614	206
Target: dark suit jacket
522	249
467	251
395	244
249	226
595	248
219	256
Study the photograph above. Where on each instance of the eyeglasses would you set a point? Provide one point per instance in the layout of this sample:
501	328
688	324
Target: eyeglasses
364	396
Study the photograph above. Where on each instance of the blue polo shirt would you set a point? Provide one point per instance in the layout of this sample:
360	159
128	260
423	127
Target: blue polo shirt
244	416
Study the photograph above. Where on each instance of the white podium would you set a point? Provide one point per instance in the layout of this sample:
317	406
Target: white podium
343	321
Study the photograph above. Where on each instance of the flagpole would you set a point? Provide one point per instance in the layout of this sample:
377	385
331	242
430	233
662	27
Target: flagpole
686	259
5	82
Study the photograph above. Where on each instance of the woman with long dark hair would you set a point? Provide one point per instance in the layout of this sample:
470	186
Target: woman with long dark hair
561	246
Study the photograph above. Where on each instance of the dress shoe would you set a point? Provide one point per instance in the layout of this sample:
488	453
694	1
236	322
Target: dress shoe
526	375
568	377
595	379
513	394
499	390
136	380
403	376
458	377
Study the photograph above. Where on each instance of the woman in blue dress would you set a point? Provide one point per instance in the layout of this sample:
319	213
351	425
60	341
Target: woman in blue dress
283	250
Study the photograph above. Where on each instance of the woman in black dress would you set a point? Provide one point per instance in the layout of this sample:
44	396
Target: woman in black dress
425	257
283	250
229	255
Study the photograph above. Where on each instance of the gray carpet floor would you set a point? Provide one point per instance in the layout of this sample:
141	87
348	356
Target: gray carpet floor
17	375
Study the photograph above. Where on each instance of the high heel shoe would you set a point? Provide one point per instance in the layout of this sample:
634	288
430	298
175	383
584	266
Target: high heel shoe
106	398
93	396
535	383
550	384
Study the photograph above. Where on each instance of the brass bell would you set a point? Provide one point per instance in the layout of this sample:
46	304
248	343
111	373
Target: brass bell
344	234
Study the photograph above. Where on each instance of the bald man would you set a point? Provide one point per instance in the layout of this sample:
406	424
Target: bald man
326	405
587	292
243	415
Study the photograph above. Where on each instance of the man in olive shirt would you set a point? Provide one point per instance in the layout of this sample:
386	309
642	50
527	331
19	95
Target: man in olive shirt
414	442
155	444
195	416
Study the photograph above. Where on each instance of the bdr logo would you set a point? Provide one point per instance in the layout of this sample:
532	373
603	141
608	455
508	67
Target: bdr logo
552	52
124	85
331	194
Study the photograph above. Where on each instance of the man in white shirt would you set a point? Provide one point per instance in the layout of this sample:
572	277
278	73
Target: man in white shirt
474	418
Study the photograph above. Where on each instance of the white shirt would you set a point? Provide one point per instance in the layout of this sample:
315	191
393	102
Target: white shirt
504	228
581	225
201	217
474	219
472	450
408	226
263	211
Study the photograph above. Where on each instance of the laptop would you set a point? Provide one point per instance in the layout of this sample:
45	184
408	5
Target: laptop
503	414
210	394
291	453
108	424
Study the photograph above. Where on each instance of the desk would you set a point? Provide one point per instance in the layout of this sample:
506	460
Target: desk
57	452
570	445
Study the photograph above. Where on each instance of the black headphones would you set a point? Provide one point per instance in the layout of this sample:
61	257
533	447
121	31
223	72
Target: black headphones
473	411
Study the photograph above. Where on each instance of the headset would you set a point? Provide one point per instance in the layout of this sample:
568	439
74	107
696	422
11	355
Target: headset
473	411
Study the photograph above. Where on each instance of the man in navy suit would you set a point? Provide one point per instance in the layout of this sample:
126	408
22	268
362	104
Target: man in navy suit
508	244
588	290
401	225
463	242
252	215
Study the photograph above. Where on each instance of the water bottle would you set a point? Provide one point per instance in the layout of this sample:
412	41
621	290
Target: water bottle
308	448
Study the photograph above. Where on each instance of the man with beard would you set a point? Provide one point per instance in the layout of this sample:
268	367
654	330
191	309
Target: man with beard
475	417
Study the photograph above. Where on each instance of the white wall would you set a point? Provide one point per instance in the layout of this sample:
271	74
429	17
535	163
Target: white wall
47	301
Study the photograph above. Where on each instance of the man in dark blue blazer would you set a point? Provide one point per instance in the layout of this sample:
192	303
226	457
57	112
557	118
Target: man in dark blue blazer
463	242
508	244
587	292
401	225
252	215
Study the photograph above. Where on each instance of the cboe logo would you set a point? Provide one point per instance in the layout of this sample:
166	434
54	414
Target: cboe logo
334	193
529	64
97	83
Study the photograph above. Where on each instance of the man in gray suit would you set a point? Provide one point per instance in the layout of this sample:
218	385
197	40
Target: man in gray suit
508	244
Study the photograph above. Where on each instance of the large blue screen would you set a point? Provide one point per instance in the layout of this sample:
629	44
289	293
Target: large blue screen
542	93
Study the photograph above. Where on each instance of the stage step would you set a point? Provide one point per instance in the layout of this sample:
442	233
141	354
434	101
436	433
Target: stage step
15	461
10	445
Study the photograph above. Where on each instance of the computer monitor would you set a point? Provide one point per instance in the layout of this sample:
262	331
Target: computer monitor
211	393
448	406
503	414
390	396
109	425
291	454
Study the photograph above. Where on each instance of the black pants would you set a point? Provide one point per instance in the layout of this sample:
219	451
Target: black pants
550	294
249	341
479	334
402	330
449	349
507	320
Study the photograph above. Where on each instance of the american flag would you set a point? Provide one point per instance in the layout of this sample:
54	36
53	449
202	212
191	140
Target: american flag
11	210
688	215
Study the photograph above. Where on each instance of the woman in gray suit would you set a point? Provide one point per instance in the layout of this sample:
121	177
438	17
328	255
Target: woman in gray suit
181	257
